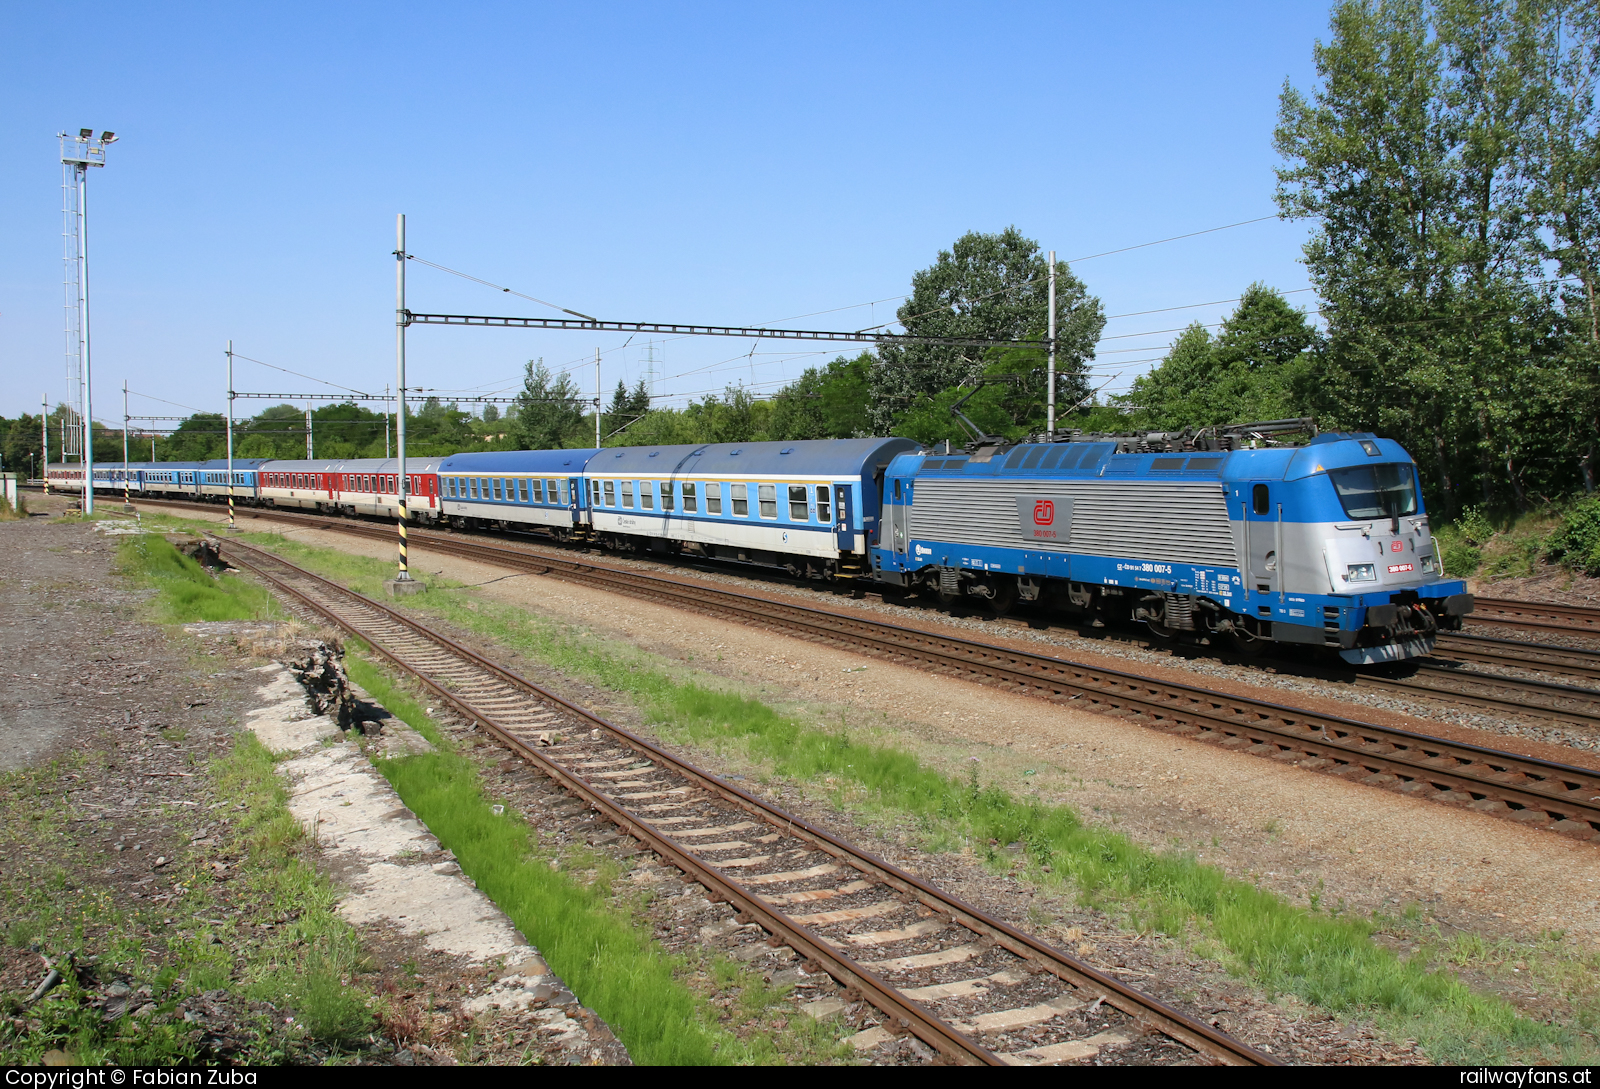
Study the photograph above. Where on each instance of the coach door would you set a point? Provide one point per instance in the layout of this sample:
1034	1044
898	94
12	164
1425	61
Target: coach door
844	519
573	496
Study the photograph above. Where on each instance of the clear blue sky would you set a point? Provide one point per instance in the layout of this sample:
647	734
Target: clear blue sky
732	164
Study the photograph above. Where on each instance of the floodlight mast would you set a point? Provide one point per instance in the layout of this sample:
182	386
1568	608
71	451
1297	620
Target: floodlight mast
78	154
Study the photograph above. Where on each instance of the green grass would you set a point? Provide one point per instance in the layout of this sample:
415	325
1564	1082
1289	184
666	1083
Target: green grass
1330	960
195	943
187	591
611	963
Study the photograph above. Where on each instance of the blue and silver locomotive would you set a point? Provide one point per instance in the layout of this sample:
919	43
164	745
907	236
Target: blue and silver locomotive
1325	544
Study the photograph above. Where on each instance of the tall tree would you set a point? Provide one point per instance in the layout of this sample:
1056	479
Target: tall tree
1410	153
986	286
550	412
1257	368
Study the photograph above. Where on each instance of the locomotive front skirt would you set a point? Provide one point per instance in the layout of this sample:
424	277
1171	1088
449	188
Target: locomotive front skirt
1325	544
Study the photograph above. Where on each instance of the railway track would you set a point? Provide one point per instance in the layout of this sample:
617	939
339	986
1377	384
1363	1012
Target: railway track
1527	697
1545	794
1538	616
1515	654
940	969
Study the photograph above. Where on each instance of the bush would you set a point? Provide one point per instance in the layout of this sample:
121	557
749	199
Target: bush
1577	542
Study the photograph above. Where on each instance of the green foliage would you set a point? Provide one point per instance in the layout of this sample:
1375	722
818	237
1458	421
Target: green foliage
986	286
736	416
1259	367
1447	155
1577	542
549	412
188	592
825	403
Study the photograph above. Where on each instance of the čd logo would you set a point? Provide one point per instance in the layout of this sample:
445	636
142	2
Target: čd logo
1044	512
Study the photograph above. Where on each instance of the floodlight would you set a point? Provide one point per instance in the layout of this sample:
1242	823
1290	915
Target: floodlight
108	137
85	134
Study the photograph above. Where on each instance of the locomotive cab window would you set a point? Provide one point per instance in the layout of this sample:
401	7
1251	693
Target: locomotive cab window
797	503
713	498
824	512
741	501
1376	491
1260	499
767	494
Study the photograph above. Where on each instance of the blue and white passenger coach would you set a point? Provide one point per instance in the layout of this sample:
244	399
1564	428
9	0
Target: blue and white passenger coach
808	506
519	489
1324	544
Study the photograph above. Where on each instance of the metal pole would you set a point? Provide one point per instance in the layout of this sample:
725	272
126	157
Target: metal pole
230	435
386	454
127	500
404	574
597	396
44	437
88	399
1050	411
308	431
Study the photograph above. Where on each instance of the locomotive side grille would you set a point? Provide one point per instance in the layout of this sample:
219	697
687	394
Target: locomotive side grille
1180	522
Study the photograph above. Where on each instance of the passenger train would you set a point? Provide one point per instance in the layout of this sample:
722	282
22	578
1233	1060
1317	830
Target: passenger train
1325	543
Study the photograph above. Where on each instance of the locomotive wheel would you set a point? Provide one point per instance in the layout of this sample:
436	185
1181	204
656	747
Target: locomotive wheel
1246	646
1005	596
947	598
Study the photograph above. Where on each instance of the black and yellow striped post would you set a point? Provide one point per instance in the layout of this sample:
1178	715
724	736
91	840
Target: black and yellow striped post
402	583
405	568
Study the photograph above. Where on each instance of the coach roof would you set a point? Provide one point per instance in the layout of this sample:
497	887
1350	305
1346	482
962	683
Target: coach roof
538	462
802	457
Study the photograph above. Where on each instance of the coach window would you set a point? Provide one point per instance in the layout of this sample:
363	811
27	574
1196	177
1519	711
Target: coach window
450	487
511	490
741	501
713	498
666	495
647	499
498	494
536	490
1259	495
611	493
522	490
768	496
626	488
797	503
470	483
690	504
823	510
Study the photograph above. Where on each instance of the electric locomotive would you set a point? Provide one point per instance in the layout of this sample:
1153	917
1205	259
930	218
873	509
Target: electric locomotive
1325	543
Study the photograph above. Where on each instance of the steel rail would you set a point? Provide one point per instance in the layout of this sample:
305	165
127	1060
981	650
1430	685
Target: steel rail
884	996
1563	797
1544	657
1412	761
1536	616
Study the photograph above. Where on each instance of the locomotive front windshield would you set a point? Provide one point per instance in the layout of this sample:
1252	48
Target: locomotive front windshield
1376	491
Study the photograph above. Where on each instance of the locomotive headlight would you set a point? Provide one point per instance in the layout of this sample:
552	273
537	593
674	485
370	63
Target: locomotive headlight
1427	563
1361	572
